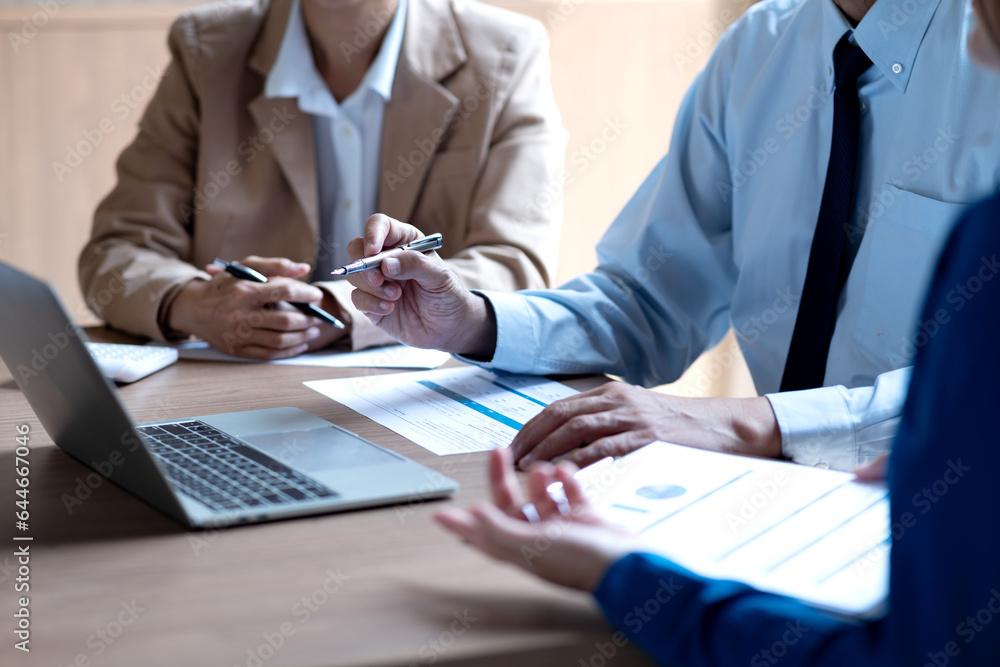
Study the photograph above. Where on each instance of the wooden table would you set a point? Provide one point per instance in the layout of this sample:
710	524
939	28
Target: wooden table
115	582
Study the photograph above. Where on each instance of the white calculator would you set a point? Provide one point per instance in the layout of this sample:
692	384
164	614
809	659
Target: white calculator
128	363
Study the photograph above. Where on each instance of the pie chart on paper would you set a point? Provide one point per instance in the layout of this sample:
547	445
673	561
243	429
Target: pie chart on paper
660	491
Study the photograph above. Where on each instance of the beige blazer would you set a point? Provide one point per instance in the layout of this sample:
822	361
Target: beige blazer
472	147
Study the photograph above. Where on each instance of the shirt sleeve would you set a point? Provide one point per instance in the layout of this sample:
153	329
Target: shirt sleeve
841	428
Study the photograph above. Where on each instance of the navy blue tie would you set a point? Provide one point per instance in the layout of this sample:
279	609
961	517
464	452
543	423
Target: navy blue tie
828	263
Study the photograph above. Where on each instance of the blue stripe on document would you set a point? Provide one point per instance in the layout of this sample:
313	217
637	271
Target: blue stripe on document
472	405
515	391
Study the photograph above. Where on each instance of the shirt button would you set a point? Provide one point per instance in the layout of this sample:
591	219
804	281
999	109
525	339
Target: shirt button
346	132
823	465
347	204
864	107
829	70
897	68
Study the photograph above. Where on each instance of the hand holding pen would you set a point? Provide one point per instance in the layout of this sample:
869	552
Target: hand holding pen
416	297
246	273
237	316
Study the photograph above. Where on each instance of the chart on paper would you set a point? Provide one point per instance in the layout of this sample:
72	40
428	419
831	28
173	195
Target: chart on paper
816	535
448	411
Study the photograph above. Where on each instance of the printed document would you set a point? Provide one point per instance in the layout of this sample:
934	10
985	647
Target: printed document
816	535
448	411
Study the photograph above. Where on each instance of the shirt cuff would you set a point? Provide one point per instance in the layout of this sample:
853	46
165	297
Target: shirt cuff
516	340
817	427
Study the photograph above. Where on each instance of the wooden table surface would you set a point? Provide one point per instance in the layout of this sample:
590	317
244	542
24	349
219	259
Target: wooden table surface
115	582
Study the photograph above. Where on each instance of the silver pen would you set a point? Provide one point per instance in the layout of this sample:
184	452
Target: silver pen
432	242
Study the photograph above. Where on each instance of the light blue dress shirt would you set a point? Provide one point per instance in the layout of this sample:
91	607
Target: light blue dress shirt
719	234
348	135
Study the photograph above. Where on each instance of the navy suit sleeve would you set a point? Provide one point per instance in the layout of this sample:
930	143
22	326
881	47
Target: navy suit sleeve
944	481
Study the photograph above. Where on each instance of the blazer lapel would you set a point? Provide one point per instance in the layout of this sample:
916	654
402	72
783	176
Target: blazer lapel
420	109
286	130
292	147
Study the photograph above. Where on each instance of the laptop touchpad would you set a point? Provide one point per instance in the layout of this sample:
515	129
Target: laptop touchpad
318	449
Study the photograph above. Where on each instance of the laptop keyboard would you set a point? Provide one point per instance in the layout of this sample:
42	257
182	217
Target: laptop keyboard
222	472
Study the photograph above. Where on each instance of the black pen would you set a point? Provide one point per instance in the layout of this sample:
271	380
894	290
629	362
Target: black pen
246	273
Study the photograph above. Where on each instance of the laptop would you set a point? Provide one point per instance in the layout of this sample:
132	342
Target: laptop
207	471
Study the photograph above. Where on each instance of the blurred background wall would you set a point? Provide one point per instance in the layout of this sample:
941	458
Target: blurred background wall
75	77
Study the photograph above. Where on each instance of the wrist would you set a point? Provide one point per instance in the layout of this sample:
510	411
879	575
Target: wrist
757	426
179	318
480	341
605	559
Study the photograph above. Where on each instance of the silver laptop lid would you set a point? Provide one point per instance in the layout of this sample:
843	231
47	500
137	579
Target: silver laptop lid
79	409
